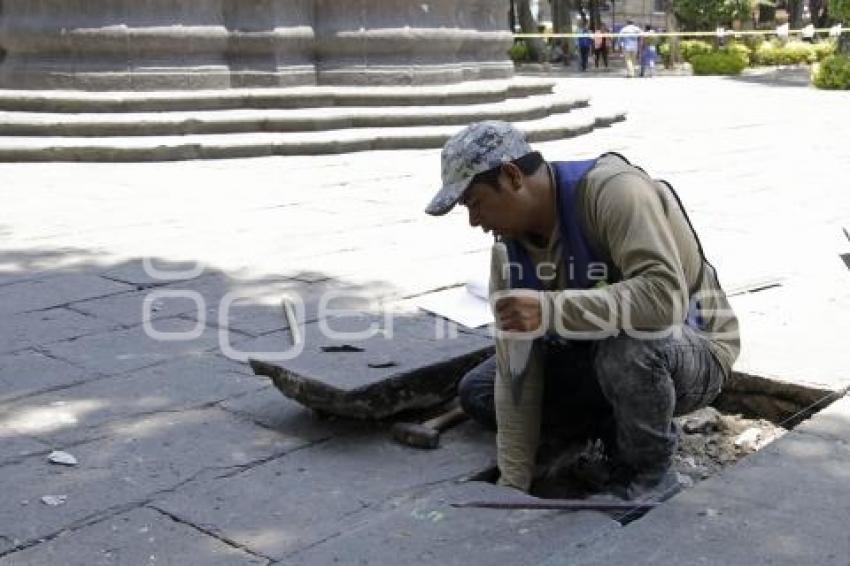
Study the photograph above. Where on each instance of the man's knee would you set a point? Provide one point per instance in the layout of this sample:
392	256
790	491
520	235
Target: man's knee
476	391
625	362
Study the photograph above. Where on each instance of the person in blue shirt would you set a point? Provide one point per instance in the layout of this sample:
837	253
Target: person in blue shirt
585	44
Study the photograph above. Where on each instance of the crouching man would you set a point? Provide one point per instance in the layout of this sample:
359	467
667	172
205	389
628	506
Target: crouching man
610	319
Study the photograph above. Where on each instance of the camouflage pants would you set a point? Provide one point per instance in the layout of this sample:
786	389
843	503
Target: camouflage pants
623	390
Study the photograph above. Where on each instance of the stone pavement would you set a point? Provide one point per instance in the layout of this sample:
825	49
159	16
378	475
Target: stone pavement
186	456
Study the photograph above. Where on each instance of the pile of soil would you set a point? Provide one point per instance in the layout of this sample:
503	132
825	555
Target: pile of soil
708	442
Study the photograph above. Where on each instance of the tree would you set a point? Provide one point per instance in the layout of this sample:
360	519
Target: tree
536	47
702	14
840	10
672	25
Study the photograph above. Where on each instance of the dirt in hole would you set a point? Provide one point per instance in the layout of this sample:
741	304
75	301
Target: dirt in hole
708	442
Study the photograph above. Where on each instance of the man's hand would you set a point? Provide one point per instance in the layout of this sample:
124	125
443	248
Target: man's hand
519	313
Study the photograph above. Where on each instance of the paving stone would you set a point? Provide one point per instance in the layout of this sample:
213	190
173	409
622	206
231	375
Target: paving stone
141	536
403	364
832	422
295	501
22	331
70	415
112	353
256	306
18	447
425	529
155	272
780	506
132	462
27	372
128	309
55	291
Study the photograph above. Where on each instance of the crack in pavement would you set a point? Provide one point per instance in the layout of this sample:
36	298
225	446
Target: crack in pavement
211	533
150	499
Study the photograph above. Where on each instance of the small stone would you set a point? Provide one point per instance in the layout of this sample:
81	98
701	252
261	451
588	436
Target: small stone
709	512
62	458
54	500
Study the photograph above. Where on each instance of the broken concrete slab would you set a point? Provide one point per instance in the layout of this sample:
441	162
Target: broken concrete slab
40	294
424	528
140	536
23	331
336	372
119	469
749	514
77	413
113	353
28	372
291	503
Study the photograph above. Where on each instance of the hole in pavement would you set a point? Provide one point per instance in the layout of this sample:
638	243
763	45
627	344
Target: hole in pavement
341	349
740	422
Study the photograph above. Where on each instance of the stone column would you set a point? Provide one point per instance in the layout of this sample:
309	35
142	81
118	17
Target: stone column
397	42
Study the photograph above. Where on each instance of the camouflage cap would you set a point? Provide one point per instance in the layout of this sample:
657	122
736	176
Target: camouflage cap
477	148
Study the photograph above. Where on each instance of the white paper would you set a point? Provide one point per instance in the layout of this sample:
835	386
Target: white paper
458	305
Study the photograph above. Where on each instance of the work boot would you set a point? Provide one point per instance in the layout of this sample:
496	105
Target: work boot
656	485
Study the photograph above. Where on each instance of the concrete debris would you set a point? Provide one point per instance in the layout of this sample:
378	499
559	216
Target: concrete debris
703	421
749	439
54	500
62	458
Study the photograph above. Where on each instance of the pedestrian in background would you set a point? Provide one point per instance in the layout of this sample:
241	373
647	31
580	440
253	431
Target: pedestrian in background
600	46
648	52
629	37
585	44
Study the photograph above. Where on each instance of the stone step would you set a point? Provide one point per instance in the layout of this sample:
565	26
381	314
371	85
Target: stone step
473	92
278	120
259	144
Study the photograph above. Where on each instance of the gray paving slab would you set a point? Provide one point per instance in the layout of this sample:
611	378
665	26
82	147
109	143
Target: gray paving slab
425	529
781	506
26	330
140	536
254	307
28	372
153	272
19	446
116	352
130	309
77	413
369	366
133	461
291	503
831	423
50	292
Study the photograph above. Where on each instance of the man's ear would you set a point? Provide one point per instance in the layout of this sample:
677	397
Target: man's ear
513	174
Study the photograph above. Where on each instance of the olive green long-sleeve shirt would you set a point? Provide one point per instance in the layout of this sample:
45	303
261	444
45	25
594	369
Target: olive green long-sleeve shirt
640	226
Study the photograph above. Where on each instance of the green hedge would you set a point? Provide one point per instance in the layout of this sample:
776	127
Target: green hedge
833	73
518	51
738	50
792	53
717	63
690	48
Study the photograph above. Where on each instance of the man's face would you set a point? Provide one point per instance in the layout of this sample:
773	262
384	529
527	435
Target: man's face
491	209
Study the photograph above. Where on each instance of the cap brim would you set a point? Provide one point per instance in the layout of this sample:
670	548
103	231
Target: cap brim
446	198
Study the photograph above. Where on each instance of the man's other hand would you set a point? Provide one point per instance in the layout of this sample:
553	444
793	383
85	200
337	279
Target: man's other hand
519	313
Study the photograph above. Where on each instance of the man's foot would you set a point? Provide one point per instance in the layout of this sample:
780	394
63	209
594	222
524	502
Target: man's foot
655	486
